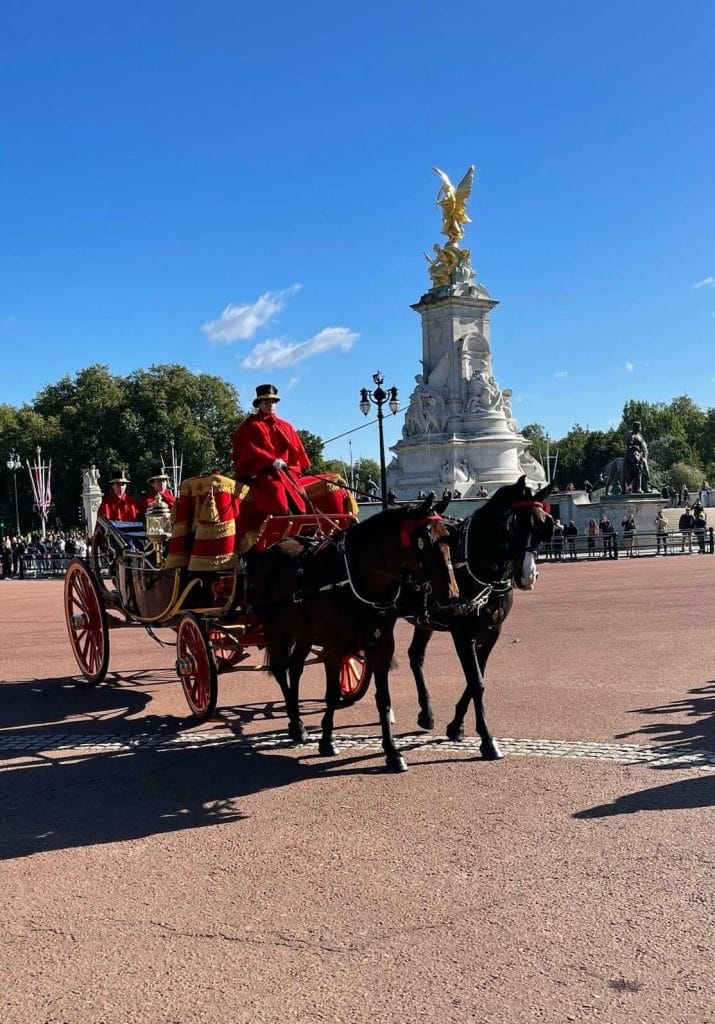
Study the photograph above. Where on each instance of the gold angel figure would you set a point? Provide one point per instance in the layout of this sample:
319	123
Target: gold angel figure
453	202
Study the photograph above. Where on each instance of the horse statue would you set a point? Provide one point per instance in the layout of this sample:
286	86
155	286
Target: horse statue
492	550
344	594
612	474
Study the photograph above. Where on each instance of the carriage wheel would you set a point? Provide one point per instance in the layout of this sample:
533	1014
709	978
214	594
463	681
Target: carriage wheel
86	619
226	657
354	678
196	667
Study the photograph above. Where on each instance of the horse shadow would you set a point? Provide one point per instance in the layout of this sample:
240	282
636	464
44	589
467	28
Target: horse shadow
72	800
694	735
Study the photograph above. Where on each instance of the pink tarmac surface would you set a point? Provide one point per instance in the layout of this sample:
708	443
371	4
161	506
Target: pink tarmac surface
231	880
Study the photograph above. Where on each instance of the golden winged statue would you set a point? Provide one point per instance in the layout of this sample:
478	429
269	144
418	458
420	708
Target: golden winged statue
453	202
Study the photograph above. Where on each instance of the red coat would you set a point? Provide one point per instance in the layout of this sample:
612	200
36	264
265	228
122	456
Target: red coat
148	499
261	438
121	507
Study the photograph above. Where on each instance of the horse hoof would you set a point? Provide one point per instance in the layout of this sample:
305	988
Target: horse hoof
425	721
491	751
298	733
327	748
396	763
455	733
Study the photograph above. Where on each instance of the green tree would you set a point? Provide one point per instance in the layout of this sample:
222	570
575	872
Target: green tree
114	422
685	473
314	450
364	470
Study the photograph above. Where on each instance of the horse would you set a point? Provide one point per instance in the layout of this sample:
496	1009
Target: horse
612	473
635	472
343	594
493	550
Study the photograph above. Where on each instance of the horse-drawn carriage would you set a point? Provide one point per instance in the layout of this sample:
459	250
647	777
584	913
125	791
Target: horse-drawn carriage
185	576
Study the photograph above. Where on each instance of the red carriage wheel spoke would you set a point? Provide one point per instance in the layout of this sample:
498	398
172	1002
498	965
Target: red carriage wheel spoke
354	677
196	667
86	620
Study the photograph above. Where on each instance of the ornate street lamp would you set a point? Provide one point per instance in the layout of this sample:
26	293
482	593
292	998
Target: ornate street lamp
379	397
14	463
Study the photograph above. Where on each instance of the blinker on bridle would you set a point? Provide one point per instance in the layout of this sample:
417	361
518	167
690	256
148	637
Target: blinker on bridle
410	526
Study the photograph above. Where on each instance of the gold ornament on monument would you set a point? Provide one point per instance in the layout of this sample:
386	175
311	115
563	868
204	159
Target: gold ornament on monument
451	264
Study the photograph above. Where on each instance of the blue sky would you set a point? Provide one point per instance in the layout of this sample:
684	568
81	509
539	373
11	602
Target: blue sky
248	190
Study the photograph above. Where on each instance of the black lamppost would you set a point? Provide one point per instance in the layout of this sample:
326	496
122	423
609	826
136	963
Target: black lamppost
14	464
378	397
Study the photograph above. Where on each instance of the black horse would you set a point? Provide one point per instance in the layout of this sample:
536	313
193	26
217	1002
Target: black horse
344	594
492	550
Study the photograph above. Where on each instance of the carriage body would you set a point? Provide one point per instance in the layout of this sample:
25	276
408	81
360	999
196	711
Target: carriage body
130	582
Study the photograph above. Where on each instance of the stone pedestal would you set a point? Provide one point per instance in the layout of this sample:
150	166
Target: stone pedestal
459	431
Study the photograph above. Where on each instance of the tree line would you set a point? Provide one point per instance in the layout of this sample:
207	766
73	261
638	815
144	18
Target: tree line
680	438
127	422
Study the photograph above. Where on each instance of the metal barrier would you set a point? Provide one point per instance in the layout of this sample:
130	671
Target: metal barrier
617	545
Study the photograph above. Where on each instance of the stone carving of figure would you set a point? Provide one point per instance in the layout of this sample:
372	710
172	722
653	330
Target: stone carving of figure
447	259
506	406
462	471
532	467
427	411
90	477
483	393
453	203
445	472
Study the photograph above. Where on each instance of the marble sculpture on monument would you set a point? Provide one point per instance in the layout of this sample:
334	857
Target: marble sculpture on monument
459	429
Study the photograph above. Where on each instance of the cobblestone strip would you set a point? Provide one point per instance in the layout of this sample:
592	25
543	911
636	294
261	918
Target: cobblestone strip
668	755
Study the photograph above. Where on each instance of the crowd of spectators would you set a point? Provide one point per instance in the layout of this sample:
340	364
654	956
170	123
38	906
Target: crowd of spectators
30	555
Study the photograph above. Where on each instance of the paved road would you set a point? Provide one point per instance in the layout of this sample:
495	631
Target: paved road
158	873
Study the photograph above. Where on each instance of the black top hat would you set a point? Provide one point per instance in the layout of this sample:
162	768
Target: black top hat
118	477
157	474
266	391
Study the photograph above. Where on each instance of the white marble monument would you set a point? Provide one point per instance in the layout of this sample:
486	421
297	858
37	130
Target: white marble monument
91	497
459	431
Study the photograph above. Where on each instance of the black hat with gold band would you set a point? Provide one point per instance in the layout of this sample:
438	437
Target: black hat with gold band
269	391
157	473
118	477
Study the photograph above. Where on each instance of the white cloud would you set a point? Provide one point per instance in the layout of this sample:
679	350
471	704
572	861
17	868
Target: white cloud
238	323
630	367
561	374
277	352
707	282
291	383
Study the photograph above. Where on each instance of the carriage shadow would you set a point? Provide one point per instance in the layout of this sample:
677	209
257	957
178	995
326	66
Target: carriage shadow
77	800
56	704
696	733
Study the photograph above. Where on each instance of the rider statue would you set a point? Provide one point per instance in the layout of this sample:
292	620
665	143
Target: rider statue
635	466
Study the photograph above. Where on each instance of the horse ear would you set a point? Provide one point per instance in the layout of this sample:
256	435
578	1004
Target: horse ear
441	506
426	505
544	492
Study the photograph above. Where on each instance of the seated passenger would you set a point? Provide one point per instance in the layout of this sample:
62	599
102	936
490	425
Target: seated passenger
116	503
158	485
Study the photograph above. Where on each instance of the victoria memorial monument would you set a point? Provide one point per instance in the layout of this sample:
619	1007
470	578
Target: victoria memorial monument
459	431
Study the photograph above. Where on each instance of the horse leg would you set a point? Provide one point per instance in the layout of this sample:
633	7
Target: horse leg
296	663
474	692
279	656
416	654
326	746
383	658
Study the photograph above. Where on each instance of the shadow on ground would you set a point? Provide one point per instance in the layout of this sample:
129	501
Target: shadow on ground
696	733
60	802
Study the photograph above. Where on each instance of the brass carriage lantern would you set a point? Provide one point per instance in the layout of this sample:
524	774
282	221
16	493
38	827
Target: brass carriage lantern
379	397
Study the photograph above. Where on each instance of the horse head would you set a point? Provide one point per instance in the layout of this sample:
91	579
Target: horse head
503	536
411	544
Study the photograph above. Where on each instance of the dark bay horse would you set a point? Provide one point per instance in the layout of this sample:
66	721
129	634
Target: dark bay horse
344	594
492	550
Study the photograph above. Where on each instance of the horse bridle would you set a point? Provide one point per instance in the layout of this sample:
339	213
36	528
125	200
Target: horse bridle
407	533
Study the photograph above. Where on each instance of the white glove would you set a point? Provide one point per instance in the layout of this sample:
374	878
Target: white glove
279	464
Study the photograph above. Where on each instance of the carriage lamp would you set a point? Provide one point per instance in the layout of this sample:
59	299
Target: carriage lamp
379	397
14	463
